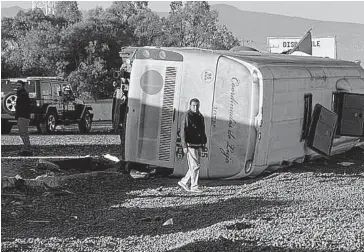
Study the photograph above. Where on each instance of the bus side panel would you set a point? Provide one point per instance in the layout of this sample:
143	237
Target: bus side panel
198	82
151	126
287	112
233	133
264	131
288	108
134	110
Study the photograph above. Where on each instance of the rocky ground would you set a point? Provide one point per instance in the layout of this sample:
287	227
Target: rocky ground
316	206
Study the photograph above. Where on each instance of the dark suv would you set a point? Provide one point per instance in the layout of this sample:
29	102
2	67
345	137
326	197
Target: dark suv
52	104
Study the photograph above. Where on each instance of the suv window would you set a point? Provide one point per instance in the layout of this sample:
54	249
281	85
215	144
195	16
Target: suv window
45	89
56	89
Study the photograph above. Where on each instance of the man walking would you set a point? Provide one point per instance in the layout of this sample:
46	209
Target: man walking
193	139
22	114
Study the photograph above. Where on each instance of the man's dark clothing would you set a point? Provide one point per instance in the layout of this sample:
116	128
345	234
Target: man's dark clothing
22	114
193	130
22	107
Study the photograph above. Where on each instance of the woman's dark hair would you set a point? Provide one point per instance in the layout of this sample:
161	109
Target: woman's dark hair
194	100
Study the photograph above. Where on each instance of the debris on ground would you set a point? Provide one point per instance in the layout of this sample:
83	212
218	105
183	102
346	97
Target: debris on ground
139	174
56	191
47	165
112	158
168	222
346	163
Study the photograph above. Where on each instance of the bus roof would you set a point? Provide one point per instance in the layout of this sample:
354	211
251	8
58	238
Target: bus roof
262	58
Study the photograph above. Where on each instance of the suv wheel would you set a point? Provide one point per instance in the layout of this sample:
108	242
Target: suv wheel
85	124
51	122
5	127
9	103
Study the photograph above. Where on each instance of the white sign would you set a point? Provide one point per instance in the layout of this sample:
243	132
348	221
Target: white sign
321	47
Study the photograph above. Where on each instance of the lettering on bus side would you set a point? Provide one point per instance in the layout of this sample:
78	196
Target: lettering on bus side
230	147
207	76
214	119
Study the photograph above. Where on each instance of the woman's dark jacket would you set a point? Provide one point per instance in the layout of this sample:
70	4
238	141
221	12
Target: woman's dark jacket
22	107
193	130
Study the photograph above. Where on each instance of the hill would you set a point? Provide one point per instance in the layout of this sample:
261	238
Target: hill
10	11
257	27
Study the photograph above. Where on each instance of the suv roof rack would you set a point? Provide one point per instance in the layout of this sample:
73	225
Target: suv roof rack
33	78
44	78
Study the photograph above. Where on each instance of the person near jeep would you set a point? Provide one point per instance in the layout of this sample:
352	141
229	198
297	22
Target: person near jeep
118	111
22	115
193	138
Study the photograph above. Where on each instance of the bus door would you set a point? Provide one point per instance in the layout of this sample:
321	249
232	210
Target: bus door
151	124
350	114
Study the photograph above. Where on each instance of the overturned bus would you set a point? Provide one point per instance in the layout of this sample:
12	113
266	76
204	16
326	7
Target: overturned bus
261	110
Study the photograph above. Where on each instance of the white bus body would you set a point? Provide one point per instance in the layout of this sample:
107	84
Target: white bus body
257	108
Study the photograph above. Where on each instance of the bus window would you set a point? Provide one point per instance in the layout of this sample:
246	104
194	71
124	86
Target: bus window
306	116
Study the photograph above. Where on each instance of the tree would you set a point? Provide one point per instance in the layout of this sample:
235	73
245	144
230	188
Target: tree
27	44
91	76
223	39
175	7
195	24
147	28
141	25
68	10
40	51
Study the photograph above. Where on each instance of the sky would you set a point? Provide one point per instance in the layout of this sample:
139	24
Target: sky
340	11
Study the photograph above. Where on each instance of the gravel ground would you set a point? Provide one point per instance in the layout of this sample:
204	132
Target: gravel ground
55	145
103	127
316	206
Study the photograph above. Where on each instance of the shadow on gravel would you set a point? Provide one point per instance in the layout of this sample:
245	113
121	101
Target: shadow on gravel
332	165
64	150
223	244
93	211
